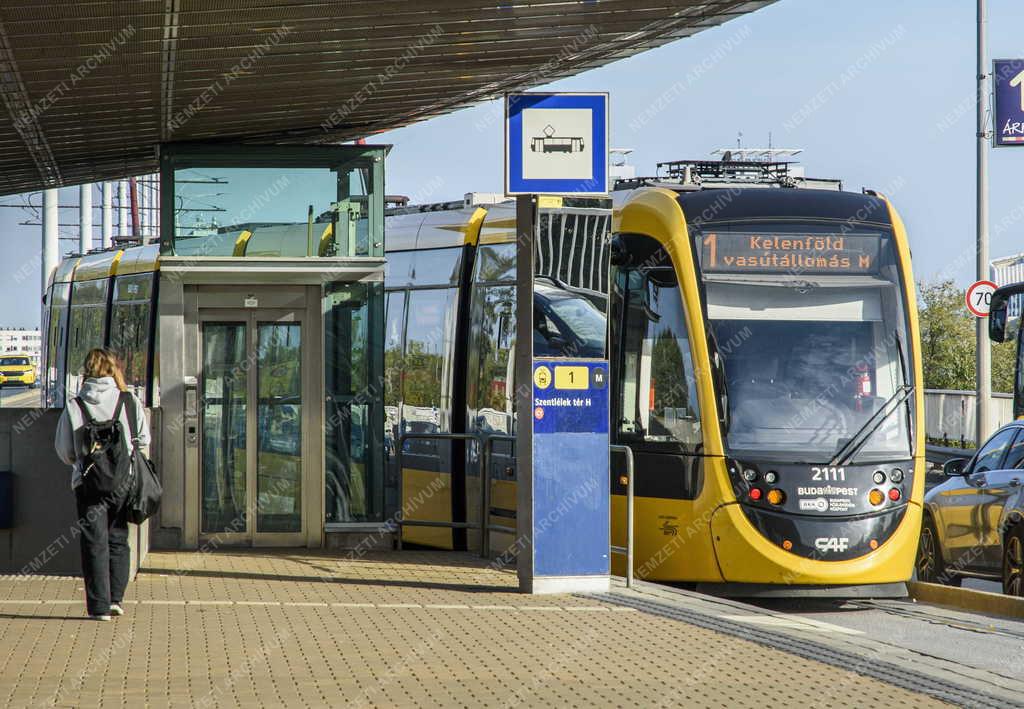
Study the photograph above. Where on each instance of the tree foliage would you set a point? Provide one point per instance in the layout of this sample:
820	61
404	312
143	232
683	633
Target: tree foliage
948	339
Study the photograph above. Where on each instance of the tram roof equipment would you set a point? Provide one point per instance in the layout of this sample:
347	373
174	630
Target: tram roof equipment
682	175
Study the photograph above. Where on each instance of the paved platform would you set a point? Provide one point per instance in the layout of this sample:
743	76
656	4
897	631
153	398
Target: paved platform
298	628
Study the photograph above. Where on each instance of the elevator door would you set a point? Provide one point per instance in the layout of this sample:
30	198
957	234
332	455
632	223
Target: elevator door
251	455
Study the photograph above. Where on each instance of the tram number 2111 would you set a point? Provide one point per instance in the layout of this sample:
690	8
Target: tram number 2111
828	474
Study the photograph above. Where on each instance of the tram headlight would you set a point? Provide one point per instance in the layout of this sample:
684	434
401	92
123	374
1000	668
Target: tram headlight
750	475
896	475
876	497
776	496
771	477
878	477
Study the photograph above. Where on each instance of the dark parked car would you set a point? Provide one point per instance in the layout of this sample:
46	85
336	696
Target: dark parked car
974	521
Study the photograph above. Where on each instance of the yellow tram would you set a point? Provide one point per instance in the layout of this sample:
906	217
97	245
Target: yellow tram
766	372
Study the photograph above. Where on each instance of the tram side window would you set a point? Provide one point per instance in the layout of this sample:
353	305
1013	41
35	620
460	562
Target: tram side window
394	326
427	362
130	327
489	384
45	354
56	346
87	326
43	373
492	337
436	266
657	388
425	374
492	340
489	387
495	263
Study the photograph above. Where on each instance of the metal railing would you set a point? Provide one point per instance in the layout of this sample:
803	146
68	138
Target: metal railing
485	495
400	520
628	549
485	526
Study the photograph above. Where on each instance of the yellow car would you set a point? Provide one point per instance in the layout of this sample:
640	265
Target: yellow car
17	370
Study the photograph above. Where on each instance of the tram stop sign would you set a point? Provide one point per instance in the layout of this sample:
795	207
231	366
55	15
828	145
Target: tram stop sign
979	298
1008	90
556	143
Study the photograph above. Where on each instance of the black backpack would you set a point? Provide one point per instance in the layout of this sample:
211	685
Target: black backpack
107	466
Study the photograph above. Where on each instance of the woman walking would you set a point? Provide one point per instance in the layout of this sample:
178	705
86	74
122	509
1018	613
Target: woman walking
106	558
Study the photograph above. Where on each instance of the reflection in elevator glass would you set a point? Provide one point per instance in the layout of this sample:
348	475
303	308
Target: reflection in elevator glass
279	428
225	399
352	399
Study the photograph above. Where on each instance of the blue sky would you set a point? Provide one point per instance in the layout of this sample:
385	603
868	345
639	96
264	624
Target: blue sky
878	94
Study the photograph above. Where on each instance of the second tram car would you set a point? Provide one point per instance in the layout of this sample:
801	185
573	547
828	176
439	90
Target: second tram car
448	338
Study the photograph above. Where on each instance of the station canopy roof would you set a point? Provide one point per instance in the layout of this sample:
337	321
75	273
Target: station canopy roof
91	88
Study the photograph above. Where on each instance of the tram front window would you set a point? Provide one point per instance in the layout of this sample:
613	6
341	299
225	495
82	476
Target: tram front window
812	359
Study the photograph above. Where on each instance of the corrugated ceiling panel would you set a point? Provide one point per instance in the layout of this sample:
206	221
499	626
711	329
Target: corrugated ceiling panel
95	86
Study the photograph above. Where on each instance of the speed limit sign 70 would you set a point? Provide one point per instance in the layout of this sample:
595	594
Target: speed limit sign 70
979	298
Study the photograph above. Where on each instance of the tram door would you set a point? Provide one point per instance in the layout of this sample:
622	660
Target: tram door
251	428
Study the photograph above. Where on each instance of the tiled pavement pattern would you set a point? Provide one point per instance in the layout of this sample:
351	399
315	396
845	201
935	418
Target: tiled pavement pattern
400	629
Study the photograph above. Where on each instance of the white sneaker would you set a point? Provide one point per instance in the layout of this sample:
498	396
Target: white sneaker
116	609
100	617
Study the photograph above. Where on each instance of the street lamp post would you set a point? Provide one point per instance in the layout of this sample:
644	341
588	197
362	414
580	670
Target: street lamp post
983	357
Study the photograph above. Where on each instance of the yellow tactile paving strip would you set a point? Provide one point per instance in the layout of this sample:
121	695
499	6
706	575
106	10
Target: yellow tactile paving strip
409	629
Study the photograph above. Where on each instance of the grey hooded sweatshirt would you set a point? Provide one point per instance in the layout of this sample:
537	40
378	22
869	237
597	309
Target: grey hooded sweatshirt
100	396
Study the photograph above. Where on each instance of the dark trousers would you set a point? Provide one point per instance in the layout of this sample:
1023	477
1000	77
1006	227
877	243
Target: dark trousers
106	557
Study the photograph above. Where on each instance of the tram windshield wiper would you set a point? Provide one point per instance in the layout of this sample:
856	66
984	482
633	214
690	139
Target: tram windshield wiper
857	441
721	381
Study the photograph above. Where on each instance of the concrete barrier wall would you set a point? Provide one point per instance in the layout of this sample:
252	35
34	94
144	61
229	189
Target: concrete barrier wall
950	414
44	538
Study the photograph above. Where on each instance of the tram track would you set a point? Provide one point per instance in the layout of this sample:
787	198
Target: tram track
965	644
917	611
862	656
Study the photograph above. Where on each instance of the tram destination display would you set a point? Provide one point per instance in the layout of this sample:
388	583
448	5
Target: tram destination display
792	253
